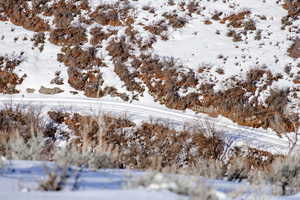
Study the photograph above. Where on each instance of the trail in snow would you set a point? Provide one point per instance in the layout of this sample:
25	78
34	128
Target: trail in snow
243	136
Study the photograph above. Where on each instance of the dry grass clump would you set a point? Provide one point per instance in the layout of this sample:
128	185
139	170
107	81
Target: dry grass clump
140	146
21	14
2	162
34	148
148	143
210	168
284	176
24	135
158	28
16	119
55	180
91	159
194	188
151	145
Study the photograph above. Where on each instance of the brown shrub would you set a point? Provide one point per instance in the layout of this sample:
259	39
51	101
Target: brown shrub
128	78
293	7
28	20
89	82
119	49
114	15
68	36
64	12
99	35
78	58
236	18
294	50
18	122
174	20
158	28
8	79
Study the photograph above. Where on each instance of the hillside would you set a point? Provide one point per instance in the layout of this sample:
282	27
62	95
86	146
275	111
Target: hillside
230	58
207	89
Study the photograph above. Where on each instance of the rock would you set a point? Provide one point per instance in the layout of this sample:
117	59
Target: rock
74	92
30	90
57	80
51	91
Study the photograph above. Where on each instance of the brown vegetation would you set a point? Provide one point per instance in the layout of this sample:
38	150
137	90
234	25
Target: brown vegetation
78	58
68	36
294	50
114	15
8	79
236	20
149	143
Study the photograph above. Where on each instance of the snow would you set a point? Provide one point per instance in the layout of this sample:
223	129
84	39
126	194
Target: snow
196	45
19	180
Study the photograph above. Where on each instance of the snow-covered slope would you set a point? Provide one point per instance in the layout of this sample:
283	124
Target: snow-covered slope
233	58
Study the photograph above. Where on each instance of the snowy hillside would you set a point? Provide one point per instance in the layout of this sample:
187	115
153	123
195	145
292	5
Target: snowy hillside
233	58
202	93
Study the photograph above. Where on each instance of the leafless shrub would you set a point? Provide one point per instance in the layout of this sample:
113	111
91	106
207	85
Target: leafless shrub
55	180
285	176
92	160
208	168
237	170
31	149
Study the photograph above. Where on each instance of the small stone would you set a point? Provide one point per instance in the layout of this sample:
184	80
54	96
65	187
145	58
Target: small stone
30	90
51	91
